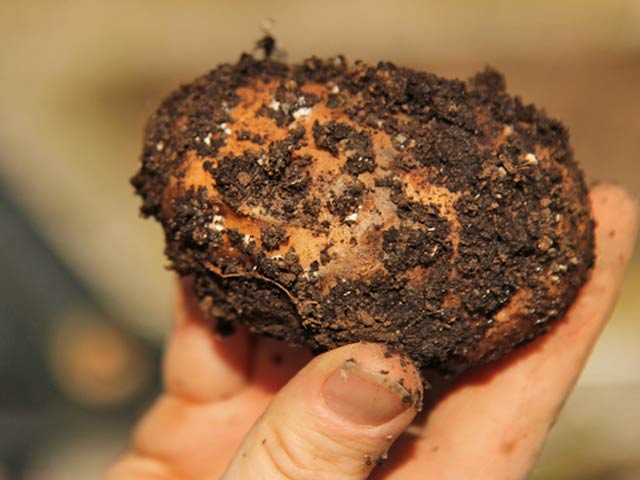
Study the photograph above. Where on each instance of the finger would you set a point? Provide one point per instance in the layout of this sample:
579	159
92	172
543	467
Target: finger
140	468
200	365
333	419
177	439
180	434
493	424
274	363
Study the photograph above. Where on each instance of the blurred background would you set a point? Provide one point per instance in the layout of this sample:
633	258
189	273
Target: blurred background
85	300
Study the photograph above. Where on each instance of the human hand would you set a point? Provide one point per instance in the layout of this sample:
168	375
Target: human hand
339	414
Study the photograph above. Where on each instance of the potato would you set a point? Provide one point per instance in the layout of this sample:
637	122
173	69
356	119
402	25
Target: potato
327	203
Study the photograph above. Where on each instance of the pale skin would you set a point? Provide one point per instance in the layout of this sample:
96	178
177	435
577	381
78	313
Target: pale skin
230	411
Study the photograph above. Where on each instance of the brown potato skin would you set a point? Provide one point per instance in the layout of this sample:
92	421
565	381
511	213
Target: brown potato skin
327	203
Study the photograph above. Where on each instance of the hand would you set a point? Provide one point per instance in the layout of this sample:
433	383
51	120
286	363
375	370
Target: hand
337	416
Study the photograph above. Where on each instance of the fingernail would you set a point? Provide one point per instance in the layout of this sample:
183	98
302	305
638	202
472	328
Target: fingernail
364	398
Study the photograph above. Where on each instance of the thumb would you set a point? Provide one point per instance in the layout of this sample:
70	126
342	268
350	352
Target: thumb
335	419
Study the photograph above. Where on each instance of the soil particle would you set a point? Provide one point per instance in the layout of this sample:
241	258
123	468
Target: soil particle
272	236
246	135
337	137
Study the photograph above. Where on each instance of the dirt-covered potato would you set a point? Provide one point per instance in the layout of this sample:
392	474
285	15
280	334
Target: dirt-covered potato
327	203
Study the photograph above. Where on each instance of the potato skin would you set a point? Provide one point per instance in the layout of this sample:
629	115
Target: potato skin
327	203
